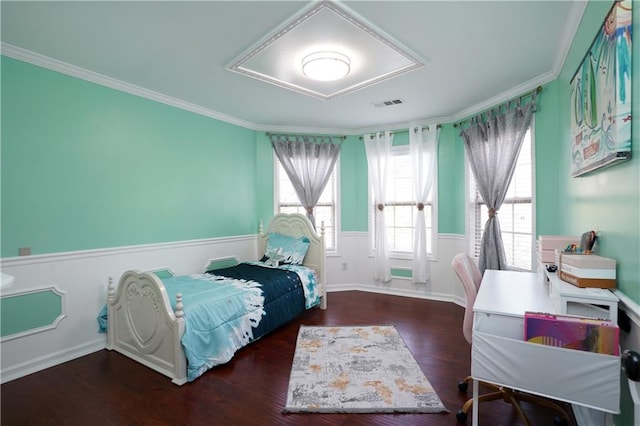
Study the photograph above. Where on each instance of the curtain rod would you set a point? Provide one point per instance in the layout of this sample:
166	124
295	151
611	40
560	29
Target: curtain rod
343	137
519	98
415	129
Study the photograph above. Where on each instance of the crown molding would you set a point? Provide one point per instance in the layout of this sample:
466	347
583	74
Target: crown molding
505	96
577	11
403	125
112	83
570	30
306	130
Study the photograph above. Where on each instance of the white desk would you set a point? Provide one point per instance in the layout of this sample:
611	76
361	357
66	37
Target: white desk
590	302
500	355
511	293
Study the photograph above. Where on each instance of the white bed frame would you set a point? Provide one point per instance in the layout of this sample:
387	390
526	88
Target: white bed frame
143	326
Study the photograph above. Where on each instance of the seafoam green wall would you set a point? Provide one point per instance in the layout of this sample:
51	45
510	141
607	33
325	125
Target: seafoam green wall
607	200
451	183
265	183
354	189
547	160
85	167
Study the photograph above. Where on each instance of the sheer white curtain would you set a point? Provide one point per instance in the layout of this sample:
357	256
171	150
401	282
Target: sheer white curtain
378	149
308	161
423	148
492	143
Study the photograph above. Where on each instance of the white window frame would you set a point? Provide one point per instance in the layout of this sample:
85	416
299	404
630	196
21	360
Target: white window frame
395	254
471	242
336	206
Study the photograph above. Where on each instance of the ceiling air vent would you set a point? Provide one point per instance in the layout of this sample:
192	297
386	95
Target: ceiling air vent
388	103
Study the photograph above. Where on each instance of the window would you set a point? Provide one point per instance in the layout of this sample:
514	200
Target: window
325	210
400	208
515	215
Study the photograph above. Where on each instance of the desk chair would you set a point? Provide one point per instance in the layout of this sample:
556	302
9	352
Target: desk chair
470	276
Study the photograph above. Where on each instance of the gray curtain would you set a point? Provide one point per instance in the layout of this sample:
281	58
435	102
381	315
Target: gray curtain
492	142
308	161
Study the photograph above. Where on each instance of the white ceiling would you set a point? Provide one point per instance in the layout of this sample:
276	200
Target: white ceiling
326	27
476	53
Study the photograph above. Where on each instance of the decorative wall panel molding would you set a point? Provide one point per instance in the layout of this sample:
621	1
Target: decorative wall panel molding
30	312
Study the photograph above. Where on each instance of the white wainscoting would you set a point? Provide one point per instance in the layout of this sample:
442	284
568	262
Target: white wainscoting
354	253
83	276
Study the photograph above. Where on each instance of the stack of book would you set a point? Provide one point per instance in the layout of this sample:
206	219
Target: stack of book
587	270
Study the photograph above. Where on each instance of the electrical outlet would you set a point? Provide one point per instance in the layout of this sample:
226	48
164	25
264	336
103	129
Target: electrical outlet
24	251
344	266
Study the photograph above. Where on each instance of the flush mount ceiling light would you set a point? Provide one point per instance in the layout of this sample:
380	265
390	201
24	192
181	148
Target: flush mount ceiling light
326	66
286	56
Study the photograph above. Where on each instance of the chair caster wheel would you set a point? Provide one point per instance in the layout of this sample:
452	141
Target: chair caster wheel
461	416
463	386
560	421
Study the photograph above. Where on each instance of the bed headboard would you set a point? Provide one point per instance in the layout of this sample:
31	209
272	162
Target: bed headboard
297	225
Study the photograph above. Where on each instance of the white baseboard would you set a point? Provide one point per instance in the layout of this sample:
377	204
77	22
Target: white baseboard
396	292
83	277
38	364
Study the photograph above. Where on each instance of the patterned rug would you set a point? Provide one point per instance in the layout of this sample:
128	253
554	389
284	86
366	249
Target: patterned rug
366	369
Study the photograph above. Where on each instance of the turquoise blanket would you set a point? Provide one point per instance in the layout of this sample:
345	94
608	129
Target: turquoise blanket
224	314
219	317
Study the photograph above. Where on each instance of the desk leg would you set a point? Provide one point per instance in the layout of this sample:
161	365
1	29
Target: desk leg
474	407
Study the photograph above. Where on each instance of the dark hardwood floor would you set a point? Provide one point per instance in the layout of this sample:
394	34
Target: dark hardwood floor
106	388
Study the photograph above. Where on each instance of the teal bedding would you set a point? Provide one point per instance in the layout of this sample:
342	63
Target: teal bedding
219	316
226	309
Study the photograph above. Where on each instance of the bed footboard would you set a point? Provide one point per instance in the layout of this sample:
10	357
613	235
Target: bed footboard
143	326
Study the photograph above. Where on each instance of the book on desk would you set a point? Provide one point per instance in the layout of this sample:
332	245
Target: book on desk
572	332
587	270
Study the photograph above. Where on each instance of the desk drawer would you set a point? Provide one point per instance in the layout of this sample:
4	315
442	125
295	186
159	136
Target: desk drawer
584	378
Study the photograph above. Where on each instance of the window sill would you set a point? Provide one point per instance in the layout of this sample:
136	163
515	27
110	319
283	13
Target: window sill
404	256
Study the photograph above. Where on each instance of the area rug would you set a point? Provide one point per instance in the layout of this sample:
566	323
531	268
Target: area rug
365	369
